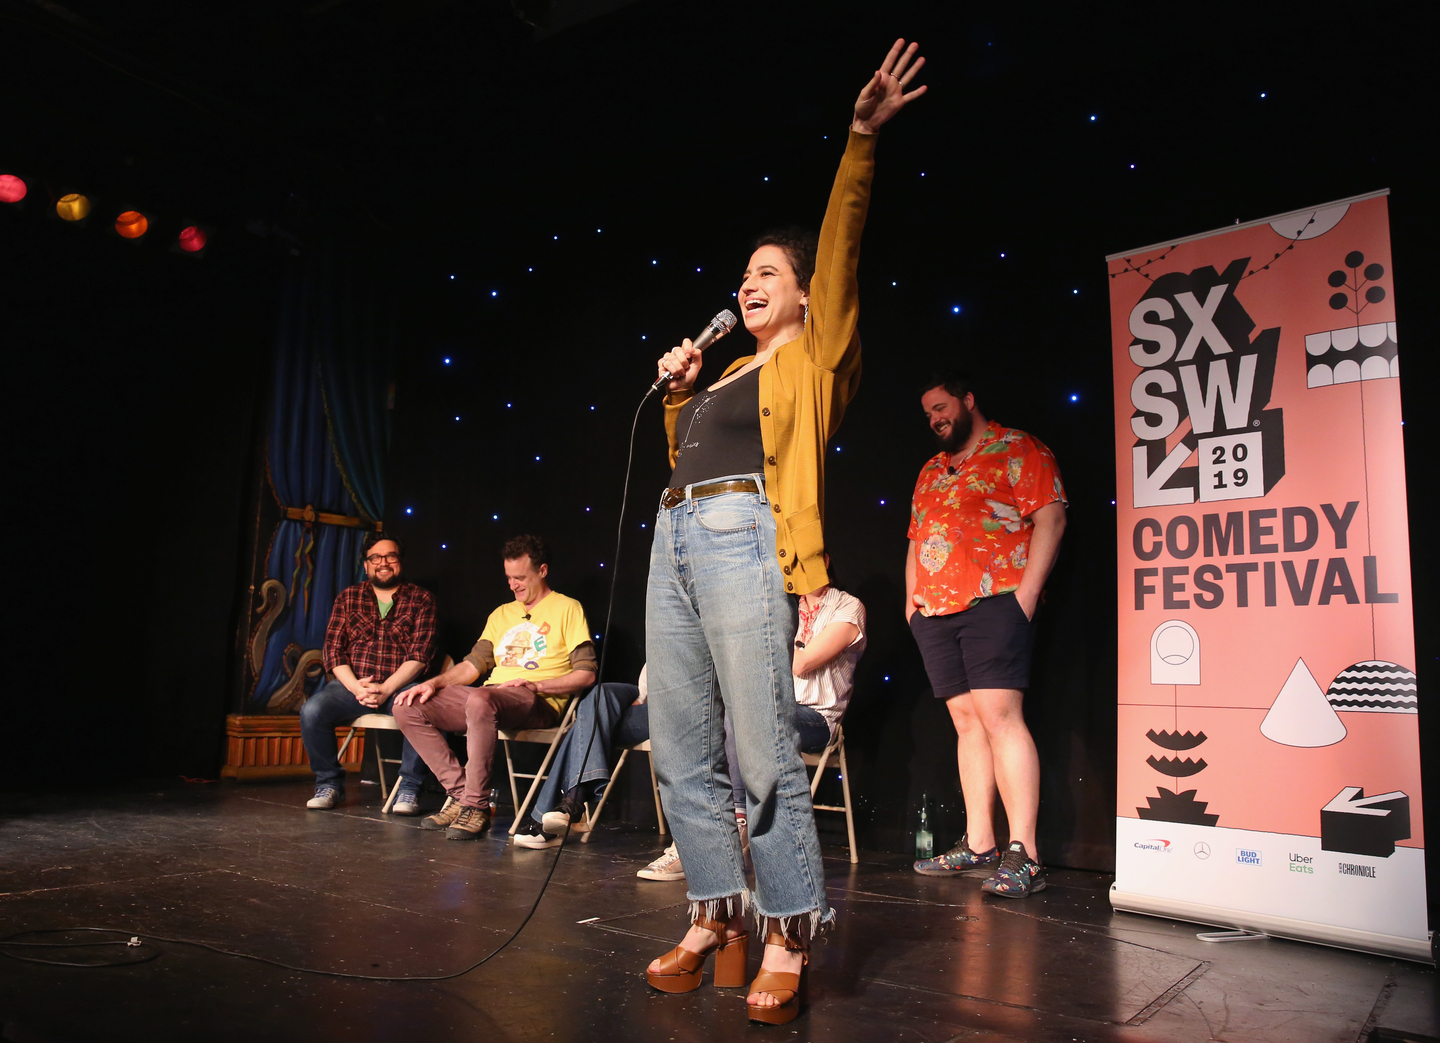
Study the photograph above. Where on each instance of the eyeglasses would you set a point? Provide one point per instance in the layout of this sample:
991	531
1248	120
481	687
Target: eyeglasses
383	559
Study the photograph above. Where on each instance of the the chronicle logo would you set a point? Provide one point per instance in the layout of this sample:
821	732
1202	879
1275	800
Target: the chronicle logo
1351	869
1249	856
1163	846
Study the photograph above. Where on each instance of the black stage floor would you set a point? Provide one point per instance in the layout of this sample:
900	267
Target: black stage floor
912	958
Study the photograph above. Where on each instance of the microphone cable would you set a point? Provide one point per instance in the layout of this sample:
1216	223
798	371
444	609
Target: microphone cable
143	943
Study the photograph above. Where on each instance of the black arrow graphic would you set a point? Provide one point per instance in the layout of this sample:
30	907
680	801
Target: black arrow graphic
1361	825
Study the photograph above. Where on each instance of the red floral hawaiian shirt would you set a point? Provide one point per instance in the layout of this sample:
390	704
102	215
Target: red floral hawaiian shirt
972	528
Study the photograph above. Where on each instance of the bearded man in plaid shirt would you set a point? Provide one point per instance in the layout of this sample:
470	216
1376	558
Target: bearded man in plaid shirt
379	643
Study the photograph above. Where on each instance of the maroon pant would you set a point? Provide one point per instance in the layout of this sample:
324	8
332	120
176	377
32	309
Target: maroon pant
479	713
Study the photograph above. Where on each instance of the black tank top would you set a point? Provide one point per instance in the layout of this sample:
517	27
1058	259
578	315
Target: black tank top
719	433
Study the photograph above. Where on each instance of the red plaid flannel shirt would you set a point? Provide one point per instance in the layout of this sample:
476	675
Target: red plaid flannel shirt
373	647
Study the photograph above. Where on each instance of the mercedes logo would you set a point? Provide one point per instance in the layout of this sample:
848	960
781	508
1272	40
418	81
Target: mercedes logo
1202	850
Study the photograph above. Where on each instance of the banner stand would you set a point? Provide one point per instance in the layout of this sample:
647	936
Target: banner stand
1268	772
1274	926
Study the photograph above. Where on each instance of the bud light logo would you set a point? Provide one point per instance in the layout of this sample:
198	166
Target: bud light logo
1162	846
1248	856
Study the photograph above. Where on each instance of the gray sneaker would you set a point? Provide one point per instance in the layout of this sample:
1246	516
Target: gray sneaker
326	797
1019	875
407	800
959	860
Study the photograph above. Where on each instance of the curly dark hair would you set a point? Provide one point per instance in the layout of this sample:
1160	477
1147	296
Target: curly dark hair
800	245
956	382
372	538
527	545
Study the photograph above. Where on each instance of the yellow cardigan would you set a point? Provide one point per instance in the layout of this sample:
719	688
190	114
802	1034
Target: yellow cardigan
807	383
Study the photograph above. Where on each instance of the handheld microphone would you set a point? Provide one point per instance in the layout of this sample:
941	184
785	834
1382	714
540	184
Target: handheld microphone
720	325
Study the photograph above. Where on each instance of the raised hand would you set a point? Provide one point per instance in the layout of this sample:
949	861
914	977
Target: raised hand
885	94
685	361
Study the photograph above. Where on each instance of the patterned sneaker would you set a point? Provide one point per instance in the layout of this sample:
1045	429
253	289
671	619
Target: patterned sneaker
469	824
666	867
445	817
1019	875
559	820
533	835
958	861
407	800
326	797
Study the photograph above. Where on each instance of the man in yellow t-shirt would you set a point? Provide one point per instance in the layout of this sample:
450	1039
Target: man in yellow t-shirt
534	653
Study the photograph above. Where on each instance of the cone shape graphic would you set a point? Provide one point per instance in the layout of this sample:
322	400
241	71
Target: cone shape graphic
1301	715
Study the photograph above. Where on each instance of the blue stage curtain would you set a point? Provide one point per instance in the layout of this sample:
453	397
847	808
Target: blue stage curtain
327	447
355	342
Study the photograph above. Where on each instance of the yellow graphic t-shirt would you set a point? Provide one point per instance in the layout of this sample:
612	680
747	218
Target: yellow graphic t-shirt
536	645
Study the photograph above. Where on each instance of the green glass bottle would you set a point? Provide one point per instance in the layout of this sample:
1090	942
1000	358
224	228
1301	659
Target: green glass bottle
924	839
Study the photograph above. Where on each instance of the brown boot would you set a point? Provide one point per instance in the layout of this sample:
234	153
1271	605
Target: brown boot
469	824
443	818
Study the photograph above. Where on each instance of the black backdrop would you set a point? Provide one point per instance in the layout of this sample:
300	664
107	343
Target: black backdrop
627	161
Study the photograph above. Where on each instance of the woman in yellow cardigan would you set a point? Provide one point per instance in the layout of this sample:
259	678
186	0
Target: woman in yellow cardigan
737	539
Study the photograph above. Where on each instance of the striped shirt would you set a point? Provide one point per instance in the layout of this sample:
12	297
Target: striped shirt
828	688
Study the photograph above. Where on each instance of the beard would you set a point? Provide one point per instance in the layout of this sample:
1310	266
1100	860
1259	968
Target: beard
960	430
386	584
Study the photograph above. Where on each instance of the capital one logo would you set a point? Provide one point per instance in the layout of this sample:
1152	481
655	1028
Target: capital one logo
1198	363
1162	846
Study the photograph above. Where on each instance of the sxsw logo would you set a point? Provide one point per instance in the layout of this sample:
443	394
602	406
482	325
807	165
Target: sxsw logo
1249	856
1200	368
1162	846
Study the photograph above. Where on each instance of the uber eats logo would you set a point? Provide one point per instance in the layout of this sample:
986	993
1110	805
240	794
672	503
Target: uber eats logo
1199	365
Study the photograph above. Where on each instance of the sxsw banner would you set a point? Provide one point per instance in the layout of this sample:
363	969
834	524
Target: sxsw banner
1269	760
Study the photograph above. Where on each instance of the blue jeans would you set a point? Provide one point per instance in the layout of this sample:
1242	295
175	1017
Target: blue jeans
814	729
719	631
608	712
327	709
814	736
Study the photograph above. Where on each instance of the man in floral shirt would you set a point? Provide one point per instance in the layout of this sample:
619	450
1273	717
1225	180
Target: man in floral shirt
985	527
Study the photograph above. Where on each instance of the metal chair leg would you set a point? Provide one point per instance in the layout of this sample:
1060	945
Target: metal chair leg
819	771
655	787
849	815
535	783
595	817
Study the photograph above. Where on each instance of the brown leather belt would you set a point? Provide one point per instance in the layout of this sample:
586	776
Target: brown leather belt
675	497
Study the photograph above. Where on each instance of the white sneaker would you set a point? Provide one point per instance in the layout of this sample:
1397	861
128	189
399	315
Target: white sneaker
559	820
407	802
326	797
532	835
666	867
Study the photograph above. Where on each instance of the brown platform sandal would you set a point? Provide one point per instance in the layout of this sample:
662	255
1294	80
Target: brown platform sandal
790	990
680	968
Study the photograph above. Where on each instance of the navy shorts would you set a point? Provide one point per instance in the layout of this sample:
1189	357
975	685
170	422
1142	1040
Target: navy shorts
986	646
